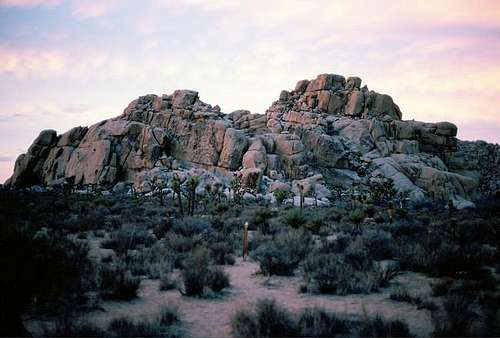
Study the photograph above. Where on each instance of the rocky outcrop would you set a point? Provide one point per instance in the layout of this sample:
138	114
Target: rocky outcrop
326	132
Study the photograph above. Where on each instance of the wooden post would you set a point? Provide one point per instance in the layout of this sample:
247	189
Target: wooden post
245	241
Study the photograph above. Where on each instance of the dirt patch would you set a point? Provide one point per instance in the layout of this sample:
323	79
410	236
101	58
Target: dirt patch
211	317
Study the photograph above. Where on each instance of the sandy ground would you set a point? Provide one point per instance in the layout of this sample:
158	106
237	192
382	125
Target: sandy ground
211	317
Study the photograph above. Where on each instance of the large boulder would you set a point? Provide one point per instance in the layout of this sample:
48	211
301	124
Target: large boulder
235	145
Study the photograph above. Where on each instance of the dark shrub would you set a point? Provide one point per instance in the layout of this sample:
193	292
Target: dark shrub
118	283
386	273
218	279
272	320
294	218
319	323
370	211
69	327
198	273
222	253
129	237
272	261
282	254
316	222
190	226
378	327
330	273
259	218
165	325
125	327
401	295
45	265
356	216
379	244
244	324
457	317
161	229
409	229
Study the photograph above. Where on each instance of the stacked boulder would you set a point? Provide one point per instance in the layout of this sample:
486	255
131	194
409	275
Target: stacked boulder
330	131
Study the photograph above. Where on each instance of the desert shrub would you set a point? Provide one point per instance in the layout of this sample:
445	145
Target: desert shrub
150	262
379	244
316	222
439	258
401	295
272	261
191	226
386	273
457	317
199	273
316	322
244	324
45	265
294	218
370	211
408	229
337	245
330	273
218	279
356	216
379	327
129	237
441	288
357	255
414	257
181	246
267	320
259	218
180	243
222	253
282	254
335	214
273	320
161	229
280	195
69	327
166	324
118	283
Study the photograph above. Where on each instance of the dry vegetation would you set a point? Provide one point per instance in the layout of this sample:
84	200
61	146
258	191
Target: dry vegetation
63	255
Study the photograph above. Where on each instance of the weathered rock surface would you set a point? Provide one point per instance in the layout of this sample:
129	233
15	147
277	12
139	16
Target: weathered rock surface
326	132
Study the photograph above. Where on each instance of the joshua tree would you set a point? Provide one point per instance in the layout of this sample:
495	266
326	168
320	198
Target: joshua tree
176	187
158	186
191	185
237	187
217	191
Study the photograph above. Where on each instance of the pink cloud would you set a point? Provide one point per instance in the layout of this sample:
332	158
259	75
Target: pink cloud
29	3
31	62
87	9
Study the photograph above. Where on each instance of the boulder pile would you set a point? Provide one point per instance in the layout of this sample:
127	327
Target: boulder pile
325	134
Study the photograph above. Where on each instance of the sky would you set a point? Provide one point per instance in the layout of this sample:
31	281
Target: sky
65	63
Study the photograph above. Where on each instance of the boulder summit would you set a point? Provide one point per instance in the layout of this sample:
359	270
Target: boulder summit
327	134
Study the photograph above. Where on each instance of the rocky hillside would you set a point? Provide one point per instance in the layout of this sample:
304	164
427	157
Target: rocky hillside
330	134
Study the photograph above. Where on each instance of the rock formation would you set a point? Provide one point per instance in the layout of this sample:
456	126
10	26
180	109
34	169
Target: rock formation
328	132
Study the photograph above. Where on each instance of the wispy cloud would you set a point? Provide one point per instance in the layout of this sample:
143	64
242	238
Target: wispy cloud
6	158
29	3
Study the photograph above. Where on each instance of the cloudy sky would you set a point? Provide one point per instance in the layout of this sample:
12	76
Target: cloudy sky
65	63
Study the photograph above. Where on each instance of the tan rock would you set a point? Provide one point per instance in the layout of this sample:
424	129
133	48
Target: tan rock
235	144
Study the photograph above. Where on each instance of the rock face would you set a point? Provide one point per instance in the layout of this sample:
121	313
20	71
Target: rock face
329	131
